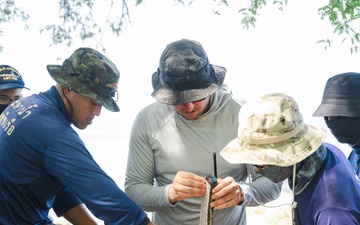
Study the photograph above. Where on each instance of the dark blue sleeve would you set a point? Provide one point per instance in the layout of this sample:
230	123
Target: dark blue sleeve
68	160
64	201
353	159
336	216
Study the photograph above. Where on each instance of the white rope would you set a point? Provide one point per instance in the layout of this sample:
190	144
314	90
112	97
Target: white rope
293	204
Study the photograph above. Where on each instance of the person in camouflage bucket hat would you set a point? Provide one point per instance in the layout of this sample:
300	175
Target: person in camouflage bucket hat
91	74
262	139
185	74
173	142
274	140
45	163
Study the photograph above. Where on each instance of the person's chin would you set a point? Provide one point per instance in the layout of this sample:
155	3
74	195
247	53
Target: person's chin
82	126
190	116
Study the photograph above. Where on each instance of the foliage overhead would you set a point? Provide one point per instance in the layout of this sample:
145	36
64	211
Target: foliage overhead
77	19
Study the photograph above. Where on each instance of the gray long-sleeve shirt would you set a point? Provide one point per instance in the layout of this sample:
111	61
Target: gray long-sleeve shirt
163	143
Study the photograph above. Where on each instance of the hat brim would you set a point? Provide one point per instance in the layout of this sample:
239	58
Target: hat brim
12	86
284	153
348	110
170	96
67	81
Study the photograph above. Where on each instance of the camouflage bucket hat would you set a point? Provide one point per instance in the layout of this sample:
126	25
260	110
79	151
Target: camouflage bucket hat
341	96
10	78
91	74
185	74
272	132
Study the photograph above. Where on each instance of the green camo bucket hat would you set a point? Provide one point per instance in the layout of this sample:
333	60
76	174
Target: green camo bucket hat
91	74
272	132
185	74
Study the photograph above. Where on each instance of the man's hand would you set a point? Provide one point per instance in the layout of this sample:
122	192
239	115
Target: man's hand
226	194
186	185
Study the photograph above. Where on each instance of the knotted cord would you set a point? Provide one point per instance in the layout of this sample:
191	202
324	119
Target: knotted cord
293	204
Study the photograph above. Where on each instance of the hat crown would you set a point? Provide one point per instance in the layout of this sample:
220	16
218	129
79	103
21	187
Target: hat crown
183	58
184	65
185	74
341	96
272	132
272	118
92	69
10	78
343	86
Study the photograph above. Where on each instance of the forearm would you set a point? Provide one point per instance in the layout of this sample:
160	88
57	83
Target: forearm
149	198
140	175
79	215
260	191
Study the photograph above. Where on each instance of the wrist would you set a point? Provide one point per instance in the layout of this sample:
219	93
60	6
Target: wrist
241	196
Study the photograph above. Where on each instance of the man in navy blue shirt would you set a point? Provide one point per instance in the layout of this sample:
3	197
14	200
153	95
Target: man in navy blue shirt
11	86
45	164
274	140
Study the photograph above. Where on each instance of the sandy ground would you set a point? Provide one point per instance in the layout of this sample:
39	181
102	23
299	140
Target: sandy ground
281	214
255	216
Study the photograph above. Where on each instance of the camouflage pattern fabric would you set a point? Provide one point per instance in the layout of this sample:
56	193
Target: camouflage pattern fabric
272	132
91	74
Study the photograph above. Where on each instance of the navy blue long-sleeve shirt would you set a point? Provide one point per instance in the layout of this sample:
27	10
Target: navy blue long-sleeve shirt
44	164
333	195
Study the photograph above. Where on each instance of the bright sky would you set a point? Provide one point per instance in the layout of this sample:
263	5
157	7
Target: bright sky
279	55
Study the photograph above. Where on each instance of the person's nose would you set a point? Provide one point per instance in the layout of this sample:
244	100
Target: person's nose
97	110
189	106
11	100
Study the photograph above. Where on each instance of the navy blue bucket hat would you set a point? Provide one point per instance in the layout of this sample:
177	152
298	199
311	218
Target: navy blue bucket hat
10	78
341	96
185	74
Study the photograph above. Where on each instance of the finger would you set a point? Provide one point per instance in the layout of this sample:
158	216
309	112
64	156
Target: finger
224	203
184	189
223	183
190	176
228	200
190	180
179	192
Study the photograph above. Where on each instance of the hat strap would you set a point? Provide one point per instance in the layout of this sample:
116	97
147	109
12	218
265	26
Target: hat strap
274	139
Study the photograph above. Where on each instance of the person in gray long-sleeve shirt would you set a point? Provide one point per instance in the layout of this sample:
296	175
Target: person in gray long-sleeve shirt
173	141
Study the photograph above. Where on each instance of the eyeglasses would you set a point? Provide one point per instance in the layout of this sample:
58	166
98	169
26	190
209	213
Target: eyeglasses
7	101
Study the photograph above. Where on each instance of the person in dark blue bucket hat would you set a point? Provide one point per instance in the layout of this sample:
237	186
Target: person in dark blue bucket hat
340	107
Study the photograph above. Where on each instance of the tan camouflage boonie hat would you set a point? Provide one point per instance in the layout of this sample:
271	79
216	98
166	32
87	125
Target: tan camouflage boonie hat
91	74
272	132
